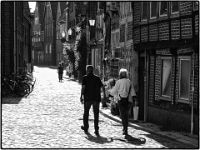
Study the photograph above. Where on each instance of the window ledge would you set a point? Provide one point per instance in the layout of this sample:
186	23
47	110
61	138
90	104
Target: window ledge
183	101
176	15
162	18
165	98
152	20
143	22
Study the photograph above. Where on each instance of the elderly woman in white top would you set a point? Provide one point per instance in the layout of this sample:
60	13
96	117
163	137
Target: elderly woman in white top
123	87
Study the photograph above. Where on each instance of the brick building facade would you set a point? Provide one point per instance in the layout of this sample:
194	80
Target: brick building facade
16	41
166	39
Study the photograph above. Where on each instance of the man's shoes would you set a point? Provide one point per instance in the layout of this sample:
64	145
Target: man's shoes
85	130
97	133
125	133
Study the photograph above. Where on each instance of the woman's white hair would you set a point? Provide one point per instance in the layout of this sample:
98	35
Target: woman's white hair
123	73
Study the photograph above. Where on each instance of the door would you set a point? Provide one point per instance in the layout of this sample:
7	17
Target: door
141	88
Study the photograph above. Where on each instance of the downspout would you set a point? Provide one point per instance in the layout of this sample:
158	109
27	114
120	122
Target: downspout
192	100
15	65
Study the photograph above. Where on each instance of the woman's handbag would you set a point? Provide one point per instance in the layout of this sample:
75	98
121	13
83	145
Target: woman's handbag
135	111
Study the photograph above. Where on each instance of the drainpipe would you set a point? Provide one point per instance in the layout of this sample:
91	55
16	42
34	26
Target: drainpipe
192	100
15	65
146	90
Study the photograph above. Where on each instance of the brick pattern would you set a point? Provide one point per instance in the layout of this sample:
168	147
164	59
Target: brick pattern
163	51
164	31
184	50
186	8
153	32
151	79
7	34
144	34
136	36
122	33
197	25
175	30
186	28
130	30
136	13
158	78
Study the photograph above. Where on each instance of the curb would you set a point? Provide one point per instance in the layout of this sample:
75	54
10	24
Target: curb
158	133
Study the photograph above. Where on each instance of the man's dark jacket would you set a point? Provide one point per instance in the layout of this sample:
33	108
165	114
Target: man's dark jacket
93	86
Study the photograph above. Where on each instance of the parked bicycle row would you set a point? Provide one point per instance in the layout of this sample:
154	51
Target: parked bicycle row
21	85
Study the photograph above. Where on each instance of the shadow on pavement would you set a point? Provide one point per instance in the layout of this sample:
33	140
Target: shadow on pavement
11	100
98	139
91	120
132	140
52	67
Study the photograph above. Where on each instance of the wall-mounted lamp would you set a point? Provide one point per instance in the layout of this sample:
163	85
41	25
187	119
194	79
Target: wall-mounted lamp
92	22
70	31
63	39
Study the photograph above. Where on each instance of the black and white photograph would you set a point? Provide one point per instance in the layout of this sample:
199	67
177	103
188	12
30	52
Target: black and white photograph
99	74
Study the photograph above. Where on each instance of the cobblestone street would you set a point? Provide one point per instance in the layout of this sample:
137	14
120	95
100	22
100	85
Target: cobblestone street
51	116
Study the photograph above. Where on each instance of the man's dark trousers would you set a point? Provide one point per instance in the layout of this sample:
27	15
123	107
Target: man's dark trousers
60	76
123	108
87	106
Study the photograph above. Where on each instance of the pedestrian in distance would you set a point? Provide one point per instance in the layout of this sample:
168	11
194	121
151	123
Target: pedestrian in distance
91	96
60	72
124	87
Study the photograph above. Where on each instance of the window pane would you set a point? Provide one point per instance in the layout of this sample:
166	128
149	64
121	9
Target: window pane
163	8
184	80
166	77
174	7
196	5
153	9
144	10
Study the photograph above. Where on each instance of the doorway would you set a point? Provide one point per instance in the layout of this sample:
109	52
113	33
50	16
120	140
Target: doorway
141	87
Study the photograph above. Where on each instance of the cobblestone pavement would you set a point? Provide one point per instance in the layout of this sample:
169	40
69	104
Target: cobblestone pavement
52	115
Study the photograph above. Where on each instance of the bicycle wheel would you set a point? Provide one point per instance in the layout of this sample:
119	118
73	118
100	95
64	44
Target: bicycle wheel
20	89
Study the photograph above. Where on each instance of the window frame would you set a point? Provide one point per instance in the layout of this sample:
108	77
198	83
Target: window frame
177	12
142	20
195	7
156	10
180	99
50	48
165	97
159	8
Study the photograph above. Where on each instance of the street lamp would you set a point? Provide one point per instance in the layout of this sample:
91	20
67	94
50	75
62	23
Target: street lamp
92	22
70	31
63	39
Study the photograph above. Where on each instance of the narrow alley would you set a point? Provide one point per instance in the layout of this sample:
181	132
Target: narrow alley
51	116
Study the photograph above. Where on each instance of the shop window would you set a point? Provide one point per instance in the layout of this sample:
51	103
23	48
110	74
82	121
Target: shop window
163	9
166	76
174	7
153	9
144	11
184	78
196	5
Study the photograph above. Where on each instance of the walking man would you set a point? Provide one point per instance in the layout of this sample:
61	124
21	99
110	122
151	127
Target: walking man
60	72
90	95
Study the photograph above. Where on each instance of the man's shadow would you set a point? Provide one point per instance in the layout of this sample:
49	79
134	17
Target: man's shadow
132	140
128	139
98	139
